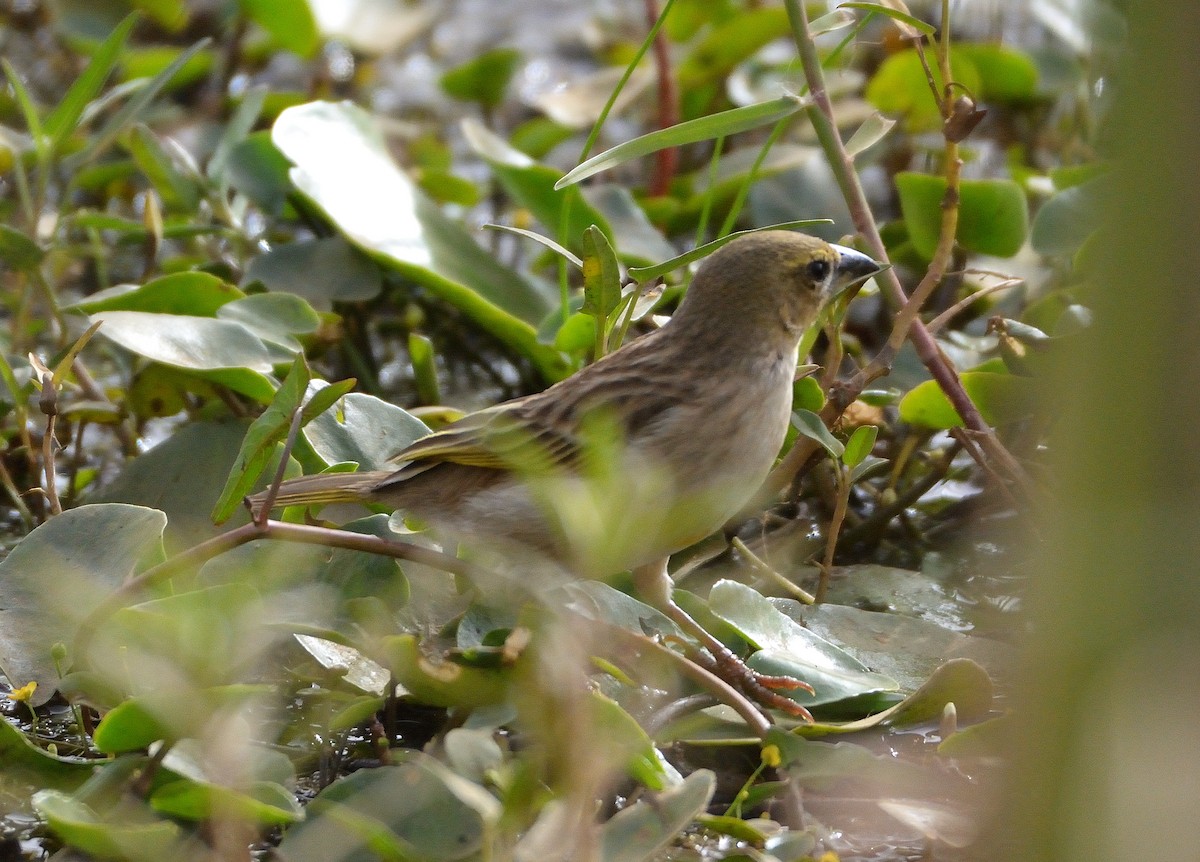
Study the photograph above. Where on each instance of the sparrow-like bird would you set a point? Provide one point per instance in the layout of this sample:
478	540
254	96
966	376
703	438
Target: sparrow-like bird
640	454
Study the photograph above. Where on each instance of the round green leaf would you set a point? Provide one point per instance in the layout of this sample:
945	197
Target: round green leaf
1000	398
993	215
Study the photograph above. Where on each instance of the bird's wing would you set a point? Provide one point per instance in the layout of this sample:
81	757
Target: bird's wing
504	437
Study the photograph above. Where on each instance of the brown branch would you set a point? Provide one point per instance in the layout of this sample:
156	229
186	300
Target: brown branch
820	113
666	159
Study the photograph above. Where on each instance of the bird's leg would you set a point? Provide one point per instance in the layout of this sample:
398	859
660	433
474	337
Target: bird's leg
653	584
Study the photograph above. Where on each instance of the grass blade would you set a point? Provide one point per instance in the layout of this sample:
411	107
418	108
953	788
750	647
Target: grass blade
66	114
702	129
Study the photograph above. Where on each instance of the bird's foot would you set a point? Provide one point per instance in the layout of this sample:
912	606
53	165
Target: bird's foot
762	688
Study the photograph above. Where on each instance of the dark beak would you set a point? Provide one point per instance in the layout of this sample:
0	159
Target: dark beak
853	267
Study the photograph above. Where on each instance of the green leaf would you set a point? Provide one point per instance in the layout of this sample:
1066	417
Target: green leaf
533	186
899	86
291	24
1000	398
182	476
79	826
236	130
993	214
860	444
33	765
601	275
414	809
186	341
424	365
195	293
178	192
276	318
90	550
483	79
810	425
640	831
257	169
730	42
128	114
1066	220
786	647
1005	74
18	250
538	238
62	121
28	109
708	128
378	208
323	271
270	429
363	429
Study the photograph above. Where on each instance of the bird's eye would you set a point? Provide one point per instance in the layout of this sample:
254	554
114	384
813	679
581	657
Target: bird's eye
818	270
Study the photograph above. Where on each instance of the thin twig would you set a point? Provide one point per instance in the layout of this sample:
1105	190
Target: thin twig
946	316
299	533
762	567
667	158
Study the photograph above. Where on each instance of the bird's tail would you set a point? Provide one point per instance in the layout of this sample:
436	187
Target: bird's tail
321	489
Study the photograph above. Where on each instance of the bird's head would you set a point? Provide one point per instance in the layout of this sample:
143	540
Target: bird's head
775	281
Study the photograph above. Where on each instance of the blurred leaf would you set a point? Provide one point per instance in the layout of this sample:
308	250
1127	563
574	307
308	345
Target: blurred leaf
706	128
257	169
533	186
1064	222
538	136
182	476
895	14
899	86
276	318
31	764
616	737
61	122
178	192
134	839
171	15
1005	74
993	214
638	832
871	132
424	365
322	271
166	714
1000	398
729	43
177	68
483	79
90	550
443	682
18	250
415	809
291	24
403	228
236	130
132	109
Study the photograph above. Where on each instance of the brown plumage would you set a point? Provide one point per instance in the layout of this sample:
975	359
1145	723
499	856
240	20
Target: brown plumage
691	417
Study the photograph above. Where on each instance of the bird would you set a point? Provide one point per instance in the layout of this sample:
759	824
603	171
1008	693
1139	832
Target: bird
640	454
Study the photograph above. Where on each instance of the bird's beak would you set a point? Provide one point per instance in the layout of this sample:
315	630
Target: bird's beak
853	267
